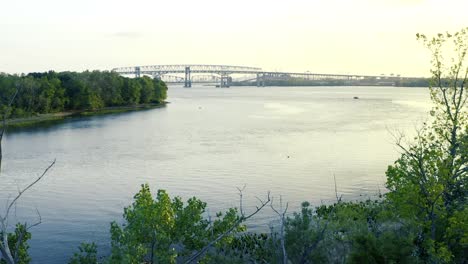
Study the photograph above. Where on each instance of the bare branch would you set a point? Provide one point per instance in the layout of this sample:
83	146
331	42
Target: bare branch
38	222
263	204
336	190
25	189
5	251
20	238
240	220
241	209
4	246
282	216
18	244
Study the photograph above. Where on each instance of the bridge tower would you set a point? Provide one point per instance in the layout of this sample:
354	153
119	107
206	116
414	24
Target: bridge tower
260	79
187	81
225	81
137	72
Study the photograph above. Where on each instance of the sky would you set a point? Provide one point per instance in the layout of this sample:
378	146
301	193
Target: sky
320	36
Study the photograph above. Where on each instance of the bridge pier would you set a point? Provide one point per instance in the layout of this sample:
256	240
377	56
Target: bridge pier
260	79
225	81
137	72
187	80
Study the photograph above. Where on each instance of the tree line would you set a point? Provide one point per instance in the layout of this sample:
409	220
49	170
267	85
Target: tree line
393	81
51	92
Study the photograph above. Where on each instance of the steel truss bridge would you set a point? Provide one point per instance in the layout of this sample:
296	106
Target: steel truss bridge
222	74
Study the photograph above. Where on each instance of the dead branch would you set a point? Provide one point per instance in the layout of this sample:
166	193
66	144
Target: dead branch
20	193
282	214
336	189
4	245
242	218
241	198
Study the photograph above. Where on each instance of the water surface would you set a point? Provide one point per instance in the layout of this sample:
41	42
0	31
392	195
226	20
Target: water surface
205	143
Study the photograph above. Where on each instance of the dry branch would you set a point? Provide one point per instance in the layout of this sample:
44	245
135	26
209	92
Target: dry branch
282	214
5	251
242	218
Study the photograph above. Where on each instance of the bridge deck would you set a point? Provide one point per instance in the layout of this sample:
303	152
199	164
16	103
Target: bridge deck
158	70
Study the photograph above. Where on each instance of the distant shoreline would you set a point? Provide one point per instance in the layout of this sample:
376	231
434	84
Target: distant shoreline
280	83
40	118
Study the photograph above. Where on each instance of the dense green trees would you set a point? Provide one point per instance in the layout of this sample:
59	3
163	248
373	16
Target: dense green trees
162	230
87	254
50	92
428	183
19	238
391	81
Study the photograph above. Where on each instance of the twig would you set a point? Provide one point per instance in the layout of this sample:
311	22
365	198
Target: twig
241	219
5	251
336	189
282	216
27	228
27	188
240	198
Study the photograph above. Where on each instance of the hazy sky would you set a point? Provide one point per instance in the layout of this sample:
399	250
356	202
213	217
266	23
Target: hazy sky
323	36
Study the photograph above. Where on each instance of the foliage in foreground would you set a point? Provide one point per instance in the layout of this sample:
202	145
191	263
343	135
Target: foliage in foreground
162	230
19	251
345	232
87	254
428	183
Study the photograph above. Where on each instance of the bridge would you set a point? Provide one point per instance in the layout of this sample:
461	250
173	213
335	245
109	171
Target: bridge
222	74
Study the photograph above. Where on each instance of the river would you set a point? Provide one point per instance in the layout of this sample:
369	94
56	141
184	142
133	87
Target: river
291	141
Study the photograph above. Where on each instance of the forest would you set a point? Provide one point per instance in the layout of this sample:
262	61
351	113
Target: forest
52	92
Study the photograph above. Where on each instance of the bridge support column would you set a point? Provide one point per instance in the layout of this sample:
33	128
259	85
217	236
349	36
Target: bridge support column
137	72
188	80
225	81
260	79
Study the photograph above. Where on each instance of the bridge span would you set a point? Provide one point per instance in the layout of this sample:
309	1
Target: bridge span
222	74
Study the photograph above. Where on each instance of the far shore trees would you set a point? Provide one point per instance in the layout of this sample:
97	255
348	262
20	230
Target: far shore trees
52	92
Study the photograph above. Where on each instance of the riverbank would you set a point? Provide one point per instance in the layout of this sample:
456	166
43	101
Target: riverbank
396	82
52	117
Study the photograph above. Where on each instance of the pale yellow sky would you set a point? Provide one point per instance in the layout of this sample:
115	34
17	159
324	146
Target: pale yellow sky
354	36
